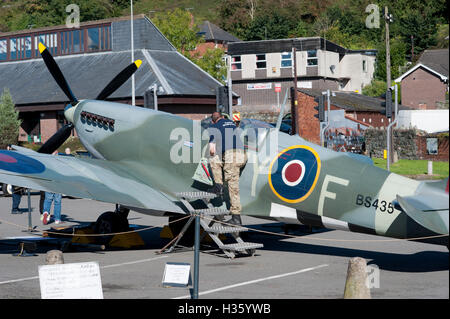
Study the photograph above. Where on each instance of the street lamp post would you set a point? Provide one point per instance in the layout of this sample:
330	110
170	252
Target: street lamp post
133	97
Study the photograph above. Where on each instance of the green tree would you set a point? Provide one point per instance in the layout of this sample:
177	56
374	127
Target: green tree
179	28
235	17
213	63
9	120
376	88
269	26
398	59
25	14
303	29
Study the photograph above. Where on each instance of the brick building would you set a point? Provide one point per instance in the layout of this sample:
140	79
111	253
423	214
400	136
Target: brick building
90	57
359	112
214	37
439	152
425	86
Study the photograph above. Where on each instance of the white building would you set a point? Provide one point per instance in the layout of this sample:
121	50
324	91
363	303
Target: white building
431	121
257	66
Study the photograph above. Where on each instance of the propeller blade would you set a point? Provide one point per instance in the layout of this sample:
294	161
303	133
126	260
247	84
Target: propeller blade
56	73
57	139
120	79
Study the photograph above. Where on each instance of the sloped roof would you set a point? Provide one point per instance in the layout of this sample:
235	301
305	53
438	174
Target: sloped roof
30	82
214	33
434	61
353	101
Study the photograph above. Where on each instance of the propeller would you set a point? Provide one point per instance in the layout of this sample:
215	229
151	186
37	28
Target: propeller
57	139
120	79
57	74
63	133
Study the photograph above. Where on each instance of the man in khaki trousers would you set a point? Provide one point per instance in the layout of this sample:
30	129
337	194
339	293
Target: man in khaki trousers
227	158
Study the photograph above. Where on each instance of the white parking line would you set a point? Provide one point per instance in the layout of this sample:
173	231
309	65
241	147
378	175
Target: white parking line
255	281
134	262
103	267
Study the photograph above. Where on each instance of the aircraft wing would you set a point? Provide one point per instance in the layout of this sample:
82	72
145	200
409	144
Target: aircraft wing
95	179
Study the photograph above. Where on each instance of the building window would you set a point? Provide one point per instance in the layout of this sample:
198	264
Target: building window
260	61
50	40
105	42
312	58
286	59
3	50
20	48
93	39
78	41
98	39
58	43
236	63
72	42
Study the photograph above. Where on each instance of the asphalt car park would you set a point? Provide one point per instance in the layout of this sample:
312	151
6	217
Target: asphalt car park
303	264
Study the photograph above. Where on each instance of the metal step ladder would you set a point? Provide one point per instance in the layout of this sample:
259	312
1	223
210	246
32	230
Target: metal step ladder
211	224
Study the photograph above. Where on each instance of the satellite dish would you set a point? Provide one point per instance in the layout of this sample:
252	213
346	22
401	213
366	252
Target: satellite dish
332	67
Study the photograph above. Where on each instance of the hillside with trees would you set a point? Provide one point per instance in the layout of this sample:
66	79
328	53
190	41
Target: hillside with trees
417	25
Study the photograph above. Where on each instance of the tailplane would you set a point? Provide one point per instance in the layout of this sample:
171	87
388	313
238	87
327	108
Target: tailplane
429	211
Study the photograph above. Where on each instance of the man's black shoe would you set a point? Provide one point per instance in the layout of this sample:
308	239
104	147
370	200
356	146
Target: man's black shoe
216	189
16	211
235	220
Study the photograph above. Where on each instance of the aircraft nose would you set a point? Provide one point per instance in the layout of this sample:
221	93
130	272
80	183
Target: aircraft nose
69	112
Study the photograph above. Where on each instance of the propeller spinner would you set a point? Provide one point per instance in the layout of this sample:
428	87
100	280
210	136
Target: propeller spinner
63	133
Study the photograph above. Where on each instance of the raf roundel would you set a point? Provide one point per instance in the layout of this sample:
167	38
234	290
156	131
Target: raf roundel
293	173
19	163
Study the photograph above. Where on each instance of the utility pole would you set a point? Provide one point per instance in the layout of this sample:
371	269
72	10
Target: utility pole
388	19
133	98
230	87
391	125
294	95
388	48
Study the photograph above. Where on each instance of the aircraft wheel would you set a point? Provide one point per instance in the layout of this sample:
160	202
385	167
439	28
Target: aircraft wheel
4	190
109	223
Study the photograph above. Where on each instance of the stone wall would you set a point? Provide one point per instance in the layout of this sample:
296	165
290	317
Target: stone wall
269	117
409	144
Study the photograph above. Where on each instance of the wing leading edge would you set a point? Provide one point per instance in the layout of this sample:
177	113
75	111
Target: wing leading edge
80	177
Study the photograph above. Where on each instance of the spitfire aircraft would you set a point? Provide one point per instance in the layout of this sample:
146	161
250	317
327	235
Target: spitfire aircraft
144	157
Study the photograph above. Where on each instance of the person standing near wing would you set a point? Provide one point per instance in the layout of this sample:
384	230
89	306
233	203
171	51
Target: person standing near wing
227	157
16	193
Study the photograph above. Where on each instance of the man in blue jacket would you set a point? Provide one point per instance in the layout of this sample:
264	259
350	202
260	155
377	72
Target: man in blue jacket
227	158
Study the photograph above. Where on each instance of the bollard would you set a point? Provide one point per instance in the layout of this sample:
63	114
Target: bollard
430	168
54	257
355	285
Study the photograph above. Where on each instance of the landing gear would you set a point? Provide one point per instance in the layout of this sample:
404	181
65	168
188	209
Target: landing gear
176	227
110	223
